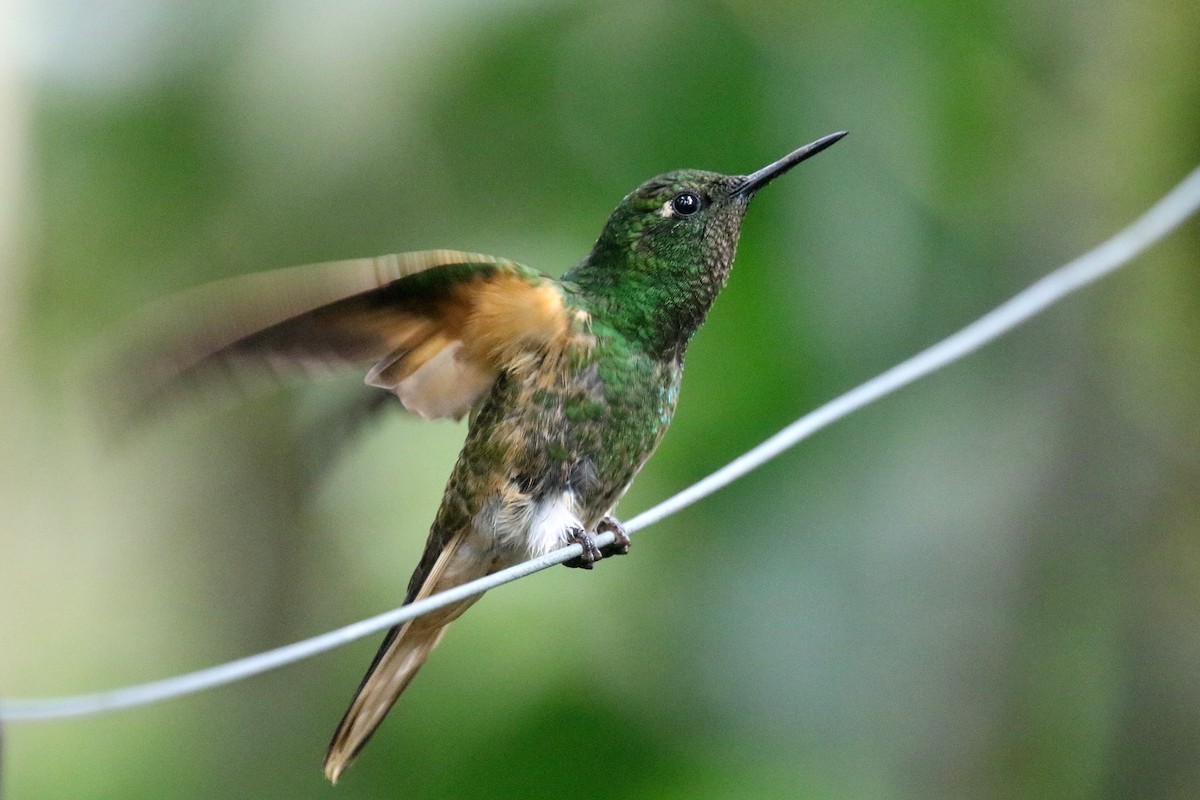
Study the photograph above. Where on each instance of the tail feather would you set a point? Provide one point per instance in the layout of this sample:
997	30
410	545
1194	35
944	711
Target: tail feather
381	688
401	655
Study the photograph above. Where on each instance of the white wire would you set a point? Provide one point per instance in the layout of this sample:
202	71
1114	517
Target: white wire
1163	217
1176	206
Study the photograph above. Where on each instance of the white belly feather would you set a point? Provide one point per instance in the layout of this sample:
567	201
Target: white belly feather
551	520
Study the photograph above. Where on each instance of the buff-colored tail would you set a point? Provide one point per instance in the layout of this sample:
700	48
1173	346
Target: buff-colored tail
401	655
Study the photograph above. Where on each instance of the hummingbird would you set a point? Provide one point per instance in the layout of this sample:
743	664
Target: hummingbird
569	383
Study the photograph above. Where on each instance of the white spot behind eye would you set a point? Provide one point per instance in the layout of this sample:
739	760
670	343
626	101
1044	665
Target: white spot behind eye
667	211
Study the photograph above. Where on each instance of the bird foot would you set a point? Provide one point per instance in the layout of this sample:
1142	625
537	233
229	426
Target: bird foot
593	553
620	543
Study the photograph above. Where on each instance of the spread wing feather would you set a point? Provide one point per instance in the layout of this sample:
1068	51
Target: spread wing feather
437	325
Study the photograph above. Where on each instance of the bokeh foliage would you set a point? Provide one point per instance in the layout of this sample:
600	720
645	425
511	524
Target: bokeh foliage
987	586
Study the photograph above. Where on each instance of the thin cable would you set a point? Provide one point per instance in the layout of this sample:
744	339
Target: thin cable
1165	215
232	671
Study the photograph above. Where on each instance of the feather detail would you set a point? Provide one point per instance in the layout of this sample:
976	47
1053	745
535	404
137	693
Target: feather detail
444	385
439	325
403	652
482	327
509	315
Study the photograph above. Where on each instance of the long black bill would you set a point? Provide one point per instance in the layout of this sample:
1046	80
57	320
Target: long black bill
756	180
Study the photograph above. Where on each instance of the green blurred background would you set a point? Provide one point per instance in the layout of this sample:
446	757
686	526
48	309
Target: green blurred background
985	587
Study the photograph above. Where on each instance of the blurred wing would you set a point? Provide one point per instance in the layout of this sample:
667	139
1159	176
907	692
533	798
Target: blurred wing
438	326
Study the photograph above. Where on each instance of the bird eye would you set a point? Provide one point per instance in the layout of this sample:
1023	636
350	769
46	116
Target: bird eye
685	204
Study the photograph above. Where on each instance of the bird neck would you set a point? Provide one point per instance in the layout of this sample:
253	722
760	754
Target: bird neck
655	297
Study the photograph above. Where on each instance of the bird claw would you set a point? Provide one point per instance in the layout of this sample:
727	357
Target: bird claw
593	553
620	543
